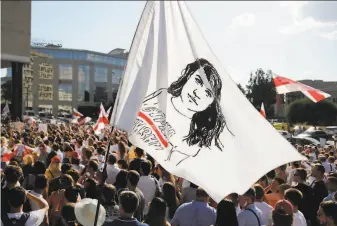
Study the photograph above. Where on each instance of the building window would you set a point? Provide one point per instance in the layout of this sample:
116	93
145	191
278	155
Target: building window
45	92
65	72
46	71
101	79
101	74
45	110
65	91
83	83
116	76
27	85
64	111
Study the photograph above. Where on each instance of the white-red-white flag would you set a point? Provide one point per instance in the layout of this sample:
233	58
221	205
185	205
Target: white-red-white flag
29	120
108	112
262	111
81	120
178	103
76	114
285	85
101	122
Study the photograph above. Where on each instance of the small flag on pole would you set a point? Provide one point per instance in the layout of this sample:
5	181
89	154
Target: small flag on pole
262	111
285	85
178	103
5	110
76	114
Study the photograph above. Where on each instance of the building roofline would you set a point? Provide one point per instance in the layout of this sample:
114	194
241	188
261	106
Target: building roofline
79	50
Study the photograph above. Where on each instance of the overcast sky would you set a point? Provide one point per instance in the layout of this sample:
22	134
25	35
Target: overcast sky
295	39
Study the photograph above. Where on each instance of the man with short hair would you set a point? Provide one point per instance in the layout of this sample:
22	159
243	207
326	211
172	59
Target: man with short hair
250	215
294	196
331	183
128	202
40	186
135	164
111	169
327	213
132	182
261	205
306	206
16	198
197	212
147	184
12	176
318	186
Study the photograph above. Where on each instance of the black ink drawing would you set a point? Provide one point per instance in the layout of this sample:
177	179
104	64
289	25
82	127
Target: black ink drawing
191	98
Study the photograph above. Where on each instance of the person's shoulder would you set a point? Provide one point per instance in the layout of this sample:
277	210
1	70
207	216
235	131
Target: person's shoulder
142	224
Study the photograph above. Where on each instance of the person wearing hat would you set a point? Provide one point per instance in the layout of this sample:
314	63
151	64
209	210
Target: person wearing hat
250	215
282	215
85	212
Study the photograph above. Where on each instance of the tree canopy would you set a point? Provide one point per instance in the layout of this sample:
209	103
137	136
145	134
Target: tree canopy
260	89
323	113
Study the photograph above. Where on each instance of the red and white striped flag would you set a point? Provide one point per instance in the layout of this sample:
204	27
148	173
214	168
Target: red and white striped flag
101	122
108	112
262	111
101	109
81	120
285	85
76	113
29	120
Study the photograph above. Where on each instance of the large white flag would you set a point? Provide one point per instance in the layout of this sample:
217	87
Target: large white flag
180	106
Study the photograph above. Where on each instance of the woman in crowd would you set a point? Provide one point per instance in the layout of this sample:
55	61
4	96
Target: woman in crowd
273	197
67	217
121	180
122	154
157	213
38	168
164	176
54	169
282	215
27	167
170	197
226	214
90	187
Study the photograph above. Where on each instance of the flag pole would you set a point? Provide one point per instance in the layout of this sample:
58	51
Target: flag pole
101	183
116	105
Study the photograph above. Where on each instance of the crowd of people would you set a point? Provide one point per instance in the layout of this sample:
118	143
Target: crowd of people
57	177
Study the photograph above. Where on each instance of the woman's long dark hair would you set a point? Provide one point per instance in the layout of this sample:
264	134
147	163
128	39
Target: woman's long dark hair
208	124
122	150
157	212
226	214
121	180
170	197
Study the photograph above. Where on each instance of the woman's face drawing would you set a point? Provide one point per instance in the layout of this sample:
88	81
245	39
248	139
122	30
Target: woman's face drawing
195	95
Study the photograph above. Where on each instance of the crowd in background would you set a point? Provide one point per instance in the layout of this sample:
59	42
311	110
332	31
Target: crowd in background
56	177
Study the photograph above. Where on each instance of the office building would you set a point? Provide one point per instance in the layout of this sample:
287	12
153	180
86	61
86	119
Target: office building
15	47
58	79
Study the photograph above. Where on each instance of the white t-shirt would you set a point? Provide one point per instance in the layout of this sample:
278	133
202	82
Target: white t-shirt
265	209
148	186
112	171
113	148
32	204
299	219
35	218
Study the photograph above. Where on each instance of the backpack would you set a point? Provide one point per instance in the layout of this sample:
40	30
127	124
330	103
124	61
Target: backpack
13	221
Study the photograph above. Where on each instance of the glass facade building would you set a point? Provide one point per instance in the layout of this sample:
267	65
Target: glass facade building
63	79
